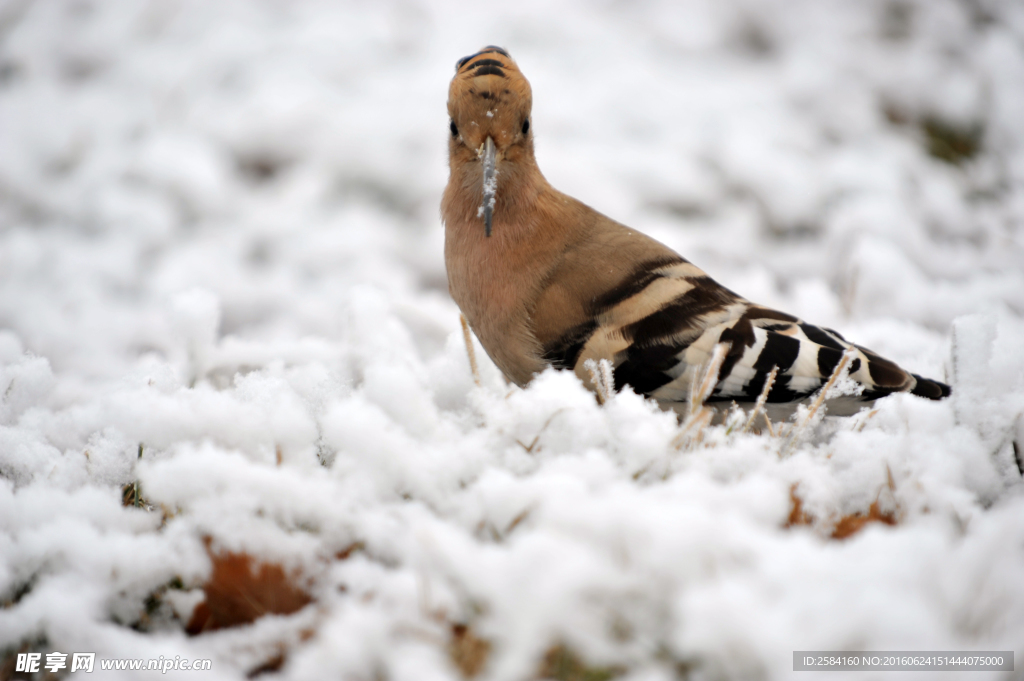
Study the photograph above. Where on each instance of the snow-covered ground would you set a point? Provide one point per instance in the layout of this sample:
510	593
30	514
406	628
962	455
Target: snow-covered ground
223	302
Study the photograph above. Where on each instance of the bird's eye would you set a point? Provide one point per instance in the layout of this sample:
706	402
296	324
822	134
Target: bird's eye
455	130
526	126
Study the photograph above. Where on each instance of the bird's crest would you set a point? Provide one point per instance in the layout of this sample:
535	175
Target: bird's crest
489	96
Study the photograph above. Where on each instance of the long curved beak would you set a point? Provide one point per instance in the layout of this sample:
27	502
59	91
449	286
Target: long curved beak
490	184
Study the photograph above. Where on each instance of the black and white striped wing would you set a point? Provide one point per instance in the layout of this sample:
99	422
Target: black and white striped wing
661	326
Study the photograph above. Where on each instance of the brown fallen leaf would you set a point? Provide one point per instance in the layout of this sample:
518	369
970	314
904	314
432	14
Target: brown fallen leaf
849	525
796	513
560	663
468	651
241	590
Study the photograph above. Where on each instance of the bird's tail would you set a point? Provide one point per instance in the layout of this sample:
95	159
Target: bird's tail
933	390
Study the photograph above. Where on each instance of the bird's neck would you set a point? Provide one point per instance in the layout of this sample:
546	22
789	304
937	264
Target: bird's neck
483	271
520	184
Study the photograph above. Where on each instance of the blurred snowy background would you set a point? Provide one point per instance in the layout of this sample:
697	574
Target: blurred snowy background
228	360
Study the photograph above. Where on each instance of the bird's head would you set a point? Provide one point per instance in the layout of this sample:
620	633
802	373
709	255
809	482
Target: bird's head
489	103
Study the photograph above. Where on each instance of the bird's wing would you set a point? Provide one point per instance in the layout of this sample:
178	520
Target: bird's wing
659	327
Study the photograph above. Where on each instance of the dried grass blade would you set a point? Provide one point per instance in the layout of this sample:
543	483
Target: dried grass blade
699	395
700	416
601	375
761	400
798	429
469	350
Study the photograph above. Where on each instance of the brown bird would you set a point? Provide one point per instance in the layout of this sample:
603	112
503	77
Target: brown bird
545	280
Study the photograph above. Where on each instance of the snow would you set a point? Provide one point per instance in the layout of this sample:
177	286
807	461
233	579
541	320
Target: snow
222	284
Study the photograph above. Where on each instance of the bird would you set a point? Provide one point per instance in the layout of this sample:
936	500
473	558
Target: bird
545	280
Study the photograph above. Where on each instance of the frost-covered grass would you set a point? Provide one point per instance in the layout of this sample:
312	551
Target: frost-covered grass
231	376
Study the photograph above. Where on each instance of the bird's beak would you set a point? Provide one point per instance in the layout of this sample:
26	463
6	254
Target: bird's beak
488	154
